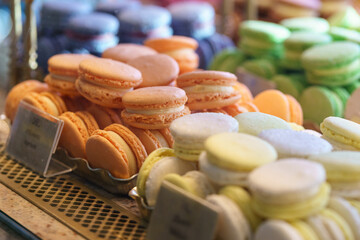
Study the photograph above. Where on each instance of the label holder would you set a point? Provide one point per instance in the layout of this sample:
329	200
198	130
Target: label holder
33	139
178	215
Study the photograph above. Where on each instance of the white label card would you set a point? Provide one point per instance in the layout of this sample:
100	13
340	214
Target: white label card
179	215
33	139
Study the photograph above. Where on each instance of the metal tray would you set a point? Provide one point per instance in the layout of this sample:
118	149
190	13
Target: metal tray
98	176
144	209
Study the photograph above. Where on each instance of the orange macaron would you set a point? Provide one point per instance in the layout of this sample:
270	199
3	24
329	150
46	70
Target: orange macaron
276	103
181	48
156	69
104	116
46	101
18	92
77	129
63	71
105	81
125	52
209	89
117	150
154	139
154	107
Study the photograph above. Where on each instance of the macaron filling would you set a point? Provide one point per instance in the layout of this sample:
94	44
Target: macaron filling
121	91
208	88
156	111
328	133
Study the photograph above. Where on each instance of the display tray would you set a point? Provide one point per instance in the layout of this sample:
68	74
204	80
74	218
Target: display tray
144	209
98	176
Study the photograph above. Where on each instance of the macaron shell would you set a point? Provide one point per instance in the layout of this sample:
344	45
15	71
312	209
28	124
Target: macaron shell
18	92
273	102
104	116
246	95
199	101
169	44
66	64
100	147
125	52
167	135
74	135
206	78
352	111
89	121
105	97
188	60
156	70
132	140
344	226
57	100
277	230
296	113
110	73
150	142
64	87
41	102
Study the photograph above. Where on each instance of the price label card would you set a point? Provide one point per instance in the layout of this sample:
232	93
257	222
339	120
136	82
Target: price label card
33	139
254	83
179	215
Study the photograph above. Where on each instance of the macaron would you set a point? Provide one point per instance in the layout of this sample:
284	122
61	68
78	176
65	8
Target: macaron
74	104
139	24
309	24
63	71
227	60
254	123
105	81
346	17
262	67
154	107
193	182
246	95
261	38
283	9
156	166
18	92
342	170
156	69
208	89
291	84
316	97
229	157
181	48
242	199
276	103
124	52
341	131
154	139
193	19
295	144
275	229
352	110
117	150
331	7
46	101
297	43
333	64
191	131
232	224
352	87
104	116
116	7
77	129
289	189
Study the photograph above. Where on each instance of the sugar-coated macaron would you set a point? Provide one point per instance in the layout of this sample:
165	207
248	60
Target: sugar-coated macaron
289	143
124	52
77	129
181	48
104	116
63	71
311	24
154	107
154	139
156	69
289	189
229	157
209	89
159	163
117	150
342	170
333	64
254	123
105	81
242	199
18	92
194	182
191	131
340	130
275	229
46	101
232	224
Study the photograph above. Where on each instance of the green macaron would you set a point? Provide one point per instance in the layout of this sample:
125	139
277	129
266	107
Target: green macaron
333	64
259	38
341	34
352	87
227	60
346	18
320	102
292	84
265	68
297	43
313	24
